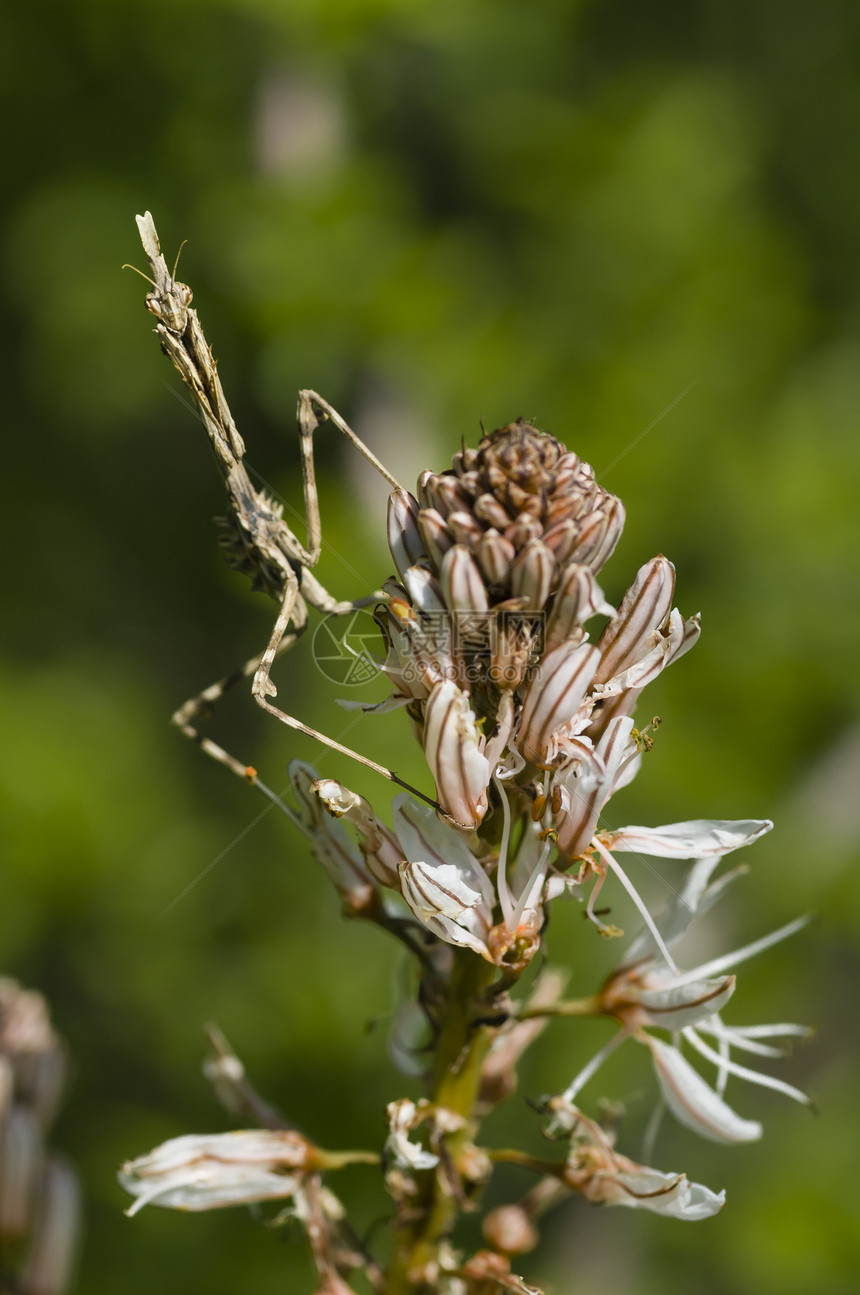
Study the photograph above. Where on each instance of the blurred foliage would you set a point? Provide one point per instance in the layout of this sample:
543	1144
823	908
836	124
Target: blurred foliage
634	222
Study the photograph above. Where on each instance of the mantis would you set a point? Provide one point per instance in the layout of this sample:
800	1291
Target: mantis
258	540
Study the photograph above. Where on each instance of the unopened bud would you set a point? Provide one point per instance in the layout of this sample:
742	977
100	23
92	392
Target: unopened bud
510	1230
56	1231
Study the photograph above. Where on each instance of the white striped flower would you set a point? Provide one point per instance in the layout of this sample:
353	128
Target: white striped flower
596	1171
206	1171
649	991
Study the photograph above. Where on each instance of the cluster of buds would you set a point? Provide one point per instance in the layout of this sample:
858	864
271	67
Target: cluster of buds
524	720
39	1194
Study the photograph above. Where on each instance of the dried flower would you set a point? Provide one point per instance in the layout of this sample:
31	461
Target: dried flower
596	1170
208	1171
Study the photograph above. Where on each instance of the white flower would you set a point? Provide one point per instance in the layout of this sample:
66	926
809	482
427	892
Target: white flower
441	880
400	1151
596	1170
205	1171
639	1187
648	989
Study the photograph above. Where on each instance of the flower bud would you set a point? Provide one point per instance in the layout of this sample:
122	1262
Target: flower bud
510	1230
598	535
465	529
424	590
533	574
490	511
643	609
496	556
454	753
463	587
435	534
578	598
553	698
404	537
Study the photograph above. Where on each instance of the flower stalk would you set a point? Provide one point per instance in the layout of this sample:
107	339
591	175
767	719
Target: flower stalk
461	1048
520	681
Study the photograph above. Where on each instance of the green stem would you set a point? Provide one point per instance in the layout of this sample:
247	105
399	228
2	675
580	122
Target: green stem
327	1160
573	1007
461	1047
510	1156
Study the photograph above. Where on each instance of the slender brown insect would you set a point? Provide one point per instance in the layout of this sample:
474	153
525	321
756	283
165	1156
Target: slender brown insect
257	539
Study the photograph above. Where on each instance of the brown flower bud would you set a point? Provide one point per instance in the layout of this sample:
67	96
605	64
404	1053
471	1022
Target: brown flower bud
510	1230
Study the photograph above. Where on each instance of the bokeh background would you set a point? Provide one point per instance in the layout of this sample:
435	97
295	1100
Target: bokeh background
610	217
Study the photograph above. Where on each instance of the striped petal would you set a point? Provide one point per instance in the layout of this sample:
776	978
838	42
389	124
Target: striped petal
435	534
444	902
211	1171
532	575
553	698
404	537
452	746
695	839
643	610
425	839
578	598
693	1103
582	787
463	585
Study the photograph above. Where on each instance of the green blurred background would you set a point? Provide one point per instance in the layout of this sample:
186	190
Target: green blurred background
435	214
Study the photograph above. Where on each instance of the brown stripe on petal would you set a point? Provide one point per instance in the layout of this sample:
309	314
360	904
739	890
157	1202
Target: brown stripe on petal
421	489
615	517
452	747
435	534
447	495
424	589
561	537
576	804
488	509
643	609
577	598
404	538
463	586
496	556
554	696
523	531
465	529
533	574
464	460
